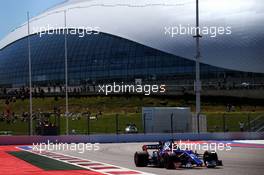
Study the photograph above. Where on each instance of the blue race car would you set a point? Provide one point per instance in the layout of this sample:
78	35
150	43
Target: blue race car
170	156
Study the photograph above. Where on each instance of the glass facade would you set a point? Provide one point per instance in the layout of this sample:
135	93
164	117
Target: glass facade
95	58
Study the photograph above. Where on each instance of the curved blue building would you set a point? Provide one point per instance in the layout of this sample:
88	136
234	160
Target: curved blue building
131	44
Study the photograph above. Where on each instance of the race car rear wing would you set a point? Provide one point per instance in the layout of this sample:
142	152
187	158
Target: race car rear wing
146	147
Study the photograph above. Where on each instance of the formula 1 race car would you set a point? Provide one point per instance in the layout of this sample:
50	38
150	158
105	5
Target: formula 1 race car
170	156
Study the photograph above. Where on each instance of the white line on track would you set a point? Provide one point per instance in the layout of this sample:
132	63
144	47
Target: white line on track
100	167
250	141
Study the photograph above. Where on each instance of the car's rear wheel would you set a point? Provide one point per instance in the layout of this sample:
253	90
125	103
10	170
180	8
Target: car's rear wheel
160	162
170	160
141	159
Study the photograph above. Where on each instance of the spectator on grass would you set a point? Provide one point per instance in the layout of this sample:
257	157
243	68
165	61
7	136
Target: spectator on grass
228	107
25	116
2	117
233	109
241	126
7	111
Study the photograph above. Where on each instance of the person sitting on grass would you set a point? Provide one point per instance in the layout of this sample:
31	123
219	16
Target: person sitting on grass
8	111
241	126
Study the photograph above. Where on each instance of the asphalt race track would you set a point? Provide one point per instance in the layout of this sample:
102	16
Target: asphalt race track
238	161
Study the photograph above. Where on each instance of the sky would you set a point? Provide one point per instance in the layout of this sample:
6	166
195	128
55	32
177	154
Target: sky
14	12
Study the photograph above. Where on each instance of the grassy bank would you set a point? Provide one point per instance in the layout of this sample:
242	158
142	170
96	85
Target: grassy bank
129	111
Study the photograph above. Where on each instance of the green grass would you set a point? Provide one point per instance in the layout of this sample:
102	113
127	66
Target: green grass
104	124
107	123
216	120
128	110
119	104
44	163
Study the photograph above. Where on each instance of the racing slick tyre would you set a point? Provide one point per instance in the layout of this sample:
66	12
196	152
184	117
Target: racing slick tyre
210	159
160	162
170	160
141	159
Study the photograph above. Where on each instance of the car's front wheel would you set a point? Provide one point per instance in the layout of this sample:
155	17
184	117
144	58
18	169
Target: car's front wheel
210	159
